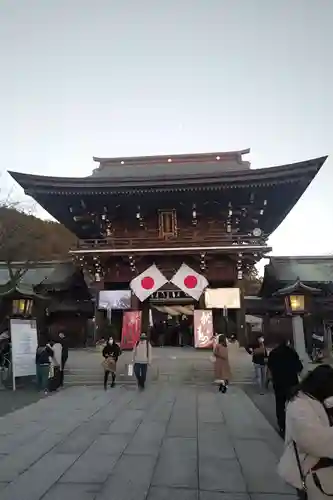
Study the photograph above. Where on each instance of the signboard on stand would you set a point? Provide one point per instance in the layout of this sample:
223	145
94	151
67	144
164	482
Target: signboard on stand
131	329
24	345
203	329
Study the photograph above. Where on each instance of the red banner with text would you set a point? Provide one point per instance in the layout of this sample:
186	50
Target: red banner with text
203	329
131	330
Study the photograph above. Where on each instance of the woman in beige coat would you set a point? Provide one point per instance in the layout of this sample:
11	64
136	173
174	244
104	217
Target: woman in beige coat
222	367
307	461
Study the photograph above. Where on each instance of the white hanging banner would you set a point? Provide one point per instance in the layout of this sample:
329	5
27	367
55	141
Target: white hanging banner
203	329
219	298
24	345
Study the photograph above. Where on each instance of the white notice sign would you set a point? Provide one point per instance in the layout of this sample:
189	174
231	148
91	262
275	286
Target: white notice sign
24	345
220	298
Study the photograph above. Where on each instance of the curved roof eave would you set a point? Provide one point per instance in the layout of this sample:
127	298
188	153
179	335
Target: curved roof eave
283	173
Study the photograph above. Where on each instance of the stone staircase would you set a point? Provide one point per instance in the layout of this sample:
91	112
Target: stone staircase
170	365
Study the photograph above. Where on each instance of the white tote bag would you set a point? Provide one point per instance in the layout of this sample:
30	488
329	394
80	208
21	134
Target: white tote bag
130	370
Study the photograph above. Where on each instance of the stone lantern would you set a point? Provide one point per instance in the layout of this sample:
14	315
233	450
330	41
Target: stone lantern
298	302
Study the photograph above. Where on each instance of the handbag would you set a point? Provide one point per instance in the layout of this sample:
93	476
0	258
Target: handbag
130	370
109	364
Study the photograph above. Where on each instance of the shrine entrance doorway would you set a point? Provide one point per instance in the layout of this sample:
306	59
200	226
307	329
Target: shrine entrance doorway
171	319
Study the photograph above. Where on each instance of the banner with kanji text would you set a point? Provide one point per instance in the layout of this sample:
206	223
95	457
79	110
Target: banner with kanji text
203	329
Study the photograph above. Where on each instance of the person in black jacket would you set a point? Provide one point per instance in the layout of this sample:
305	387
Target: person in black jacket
44	354
259	359
111	353
285	367
64	357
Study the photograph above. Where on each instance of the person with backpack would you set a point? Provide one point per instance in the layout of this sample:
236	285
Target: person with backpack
142	356
44	355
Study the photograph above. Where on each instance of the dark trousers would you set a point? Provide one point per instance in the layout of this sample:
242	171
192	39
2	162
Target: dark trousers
42	373
54	382
140	370
106	378
62	372
281	397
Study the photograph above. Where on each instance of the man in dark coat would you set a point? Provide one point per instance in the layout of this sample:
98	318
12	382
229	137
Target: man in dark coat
64	356
285	367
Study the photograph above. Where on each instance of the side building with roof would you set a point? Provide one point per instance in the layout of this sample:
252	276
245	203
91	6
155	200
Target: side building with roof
292	275
55	293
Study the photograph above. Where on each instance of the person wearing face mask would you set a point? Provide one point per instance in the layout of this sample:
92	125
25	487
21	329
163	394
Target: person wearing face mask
142	356
111	353
285	367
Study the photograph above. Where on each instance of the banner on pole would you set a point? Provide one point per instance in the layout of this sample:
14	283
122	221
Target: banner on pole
203	329
131	329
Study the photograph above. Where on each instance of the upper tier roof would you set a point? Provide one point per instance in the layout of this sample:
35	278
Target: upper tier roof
144	175
184	164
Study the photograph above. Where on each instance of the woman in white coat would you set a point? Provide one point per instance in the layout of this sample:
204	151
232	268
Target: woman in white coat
307	461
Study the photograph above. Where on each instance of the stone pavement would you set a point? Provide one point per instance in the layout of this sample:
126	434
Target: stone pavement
171	441
11	401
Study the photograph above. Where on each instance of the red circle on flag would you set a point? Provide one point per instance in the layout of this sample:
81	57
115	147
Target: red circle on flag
190	281
147	283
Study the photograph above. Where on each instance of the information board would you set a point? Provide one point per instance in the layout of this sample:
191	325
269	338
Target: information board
24	345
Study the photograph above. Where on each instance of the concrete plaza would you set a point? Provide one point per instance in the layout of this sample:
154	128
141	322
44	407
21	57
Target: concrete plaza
171	441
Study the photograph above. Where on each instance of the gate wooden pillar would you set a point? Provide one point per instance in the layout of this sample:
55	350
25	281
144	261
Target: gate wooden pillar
240	316
97	287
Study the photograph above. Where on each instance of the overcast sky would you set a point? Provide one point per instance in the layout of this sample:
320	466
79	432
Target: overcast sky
130	77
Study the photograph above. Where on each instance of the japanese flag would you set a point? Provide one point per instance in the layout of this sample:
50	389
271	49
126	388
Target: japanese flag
147	282
190	281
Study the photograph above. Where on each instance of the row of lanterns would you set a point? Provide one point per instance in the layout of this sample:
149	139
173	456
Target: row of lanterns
97	269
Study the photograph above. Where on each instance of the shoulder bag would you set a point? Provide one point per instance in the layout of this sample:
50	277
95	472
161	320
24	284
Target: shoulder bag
302	494
323	463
